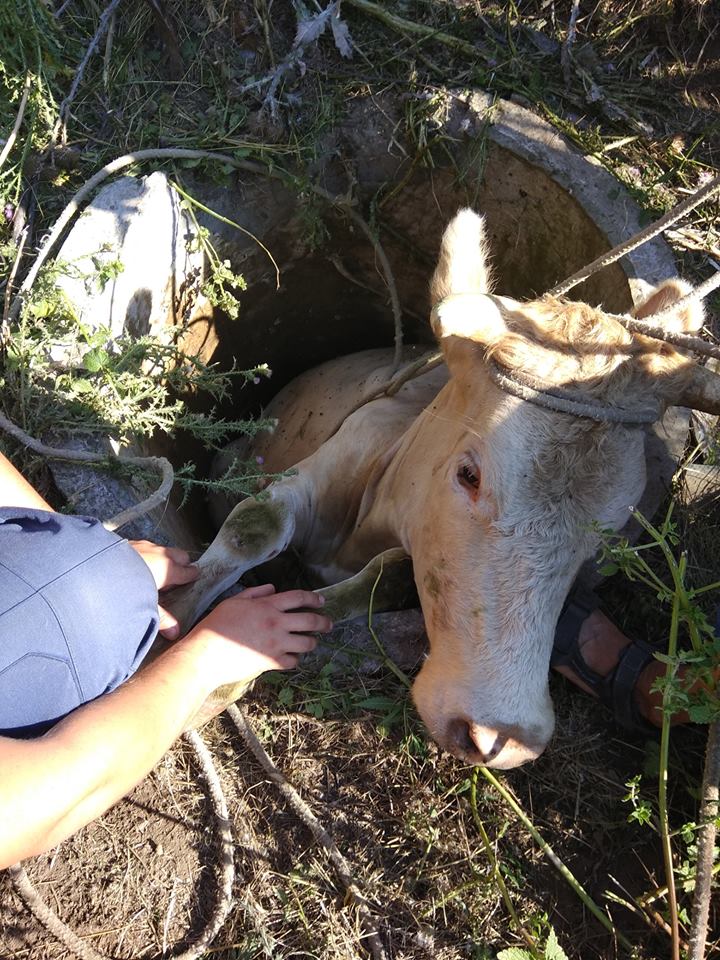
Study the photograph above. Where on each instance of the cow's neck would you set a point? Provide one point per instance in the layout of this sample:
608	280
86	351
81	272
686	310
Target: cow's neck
382	519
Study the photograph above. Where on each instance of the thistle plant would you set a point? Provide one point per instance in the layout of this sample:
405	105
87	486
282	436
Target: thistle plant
60	376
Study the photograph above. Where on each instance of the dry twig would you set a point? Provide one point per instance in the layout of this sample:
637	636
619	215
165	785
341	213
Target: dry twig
18	119
103	25
10	283
341	865
565	55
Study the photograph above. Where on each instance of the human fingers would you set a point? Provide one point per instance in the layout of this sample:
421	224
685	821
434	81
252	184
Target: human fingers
294	599
306	623
252	593
168	624
287	661
175	575
170	566
298	643
178	555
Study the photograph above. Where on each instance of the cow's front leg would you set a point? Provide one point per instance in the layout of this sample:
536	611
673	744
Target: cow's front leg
255	531
387	579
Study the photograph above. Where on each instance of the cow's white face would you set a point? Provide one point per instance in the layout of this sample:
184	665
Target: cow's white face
504	529
505	498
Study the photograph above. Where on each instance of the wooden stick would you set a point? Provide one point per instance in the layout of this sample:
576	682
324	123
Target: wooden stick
18	119
709	808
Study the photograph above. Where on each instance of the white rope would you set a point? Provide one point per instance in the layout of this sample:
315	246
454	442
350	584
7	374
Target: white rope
698	293
552	397
161	464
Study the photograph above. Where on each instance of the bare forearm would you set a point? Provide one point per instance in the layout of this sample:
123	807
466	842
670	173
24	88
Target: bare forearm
54	785
15	491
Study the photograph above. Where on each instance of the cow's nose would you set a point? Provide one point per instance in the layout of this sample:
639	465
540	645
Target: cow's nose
499	747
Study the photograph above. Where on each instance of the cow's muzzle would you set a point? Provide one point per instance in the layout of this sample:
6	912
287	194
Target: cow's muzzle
501	748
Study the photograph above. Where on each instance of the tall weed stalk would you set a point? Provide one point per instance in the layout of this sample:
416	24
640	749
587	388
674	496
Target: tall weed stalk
690	684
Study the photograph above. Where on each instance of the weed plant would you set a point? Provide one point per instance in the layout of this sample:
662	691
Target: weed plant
31	49
61	377
690	685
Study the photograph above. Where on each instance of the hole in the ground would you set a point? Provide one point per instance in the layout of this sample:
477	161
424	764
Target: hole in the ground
549	212
333	299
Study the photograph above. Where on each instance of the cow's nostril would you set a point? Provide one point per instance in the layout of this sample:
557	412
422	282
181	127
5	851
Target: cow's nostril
459	740
471	742
498	747
488	741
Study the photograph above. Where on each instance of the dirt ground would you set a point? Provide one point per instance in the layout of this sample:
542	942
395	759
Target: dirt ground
142	880
143	876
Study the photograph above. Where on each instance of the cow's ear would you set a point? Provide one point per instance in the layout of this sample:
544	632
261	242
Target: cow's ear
463	261
687	319
465	325
472	316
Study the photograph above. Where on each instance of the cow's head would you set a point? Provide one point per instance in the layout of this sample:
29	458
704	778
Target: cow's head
509	493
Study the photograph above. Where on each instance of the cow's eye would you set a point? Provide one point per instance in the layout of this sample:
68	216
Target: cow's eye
468	478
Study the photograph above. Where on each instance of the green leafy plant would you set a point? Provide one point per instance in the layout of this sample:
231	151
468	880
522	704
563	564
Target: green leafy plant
61	376
641	810
550	951
690	683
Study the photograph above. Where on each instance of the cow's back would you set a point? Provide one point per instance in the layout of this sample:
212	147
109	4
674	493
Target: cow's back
311	408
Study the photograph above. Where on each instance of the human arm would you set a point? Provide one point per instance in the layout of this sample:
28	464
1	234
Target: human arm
55	784
15	491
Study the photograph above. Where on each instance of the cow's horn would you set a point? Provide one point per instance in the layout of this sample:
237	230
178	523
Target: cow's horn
702	392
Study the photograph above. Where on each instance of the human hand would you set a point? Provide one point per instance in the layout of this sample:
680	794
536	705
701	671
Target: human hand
170	567
258	630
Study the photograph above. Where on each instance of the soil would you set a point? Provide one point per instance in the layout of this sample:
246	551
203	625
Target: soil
141	880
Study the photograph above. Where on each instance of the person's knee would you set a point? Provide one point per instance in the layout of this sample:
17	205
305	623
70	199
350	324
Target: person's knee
78	615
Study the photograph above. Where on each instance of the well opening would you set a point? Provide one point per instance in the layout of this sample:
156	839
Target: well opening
332	297
549	212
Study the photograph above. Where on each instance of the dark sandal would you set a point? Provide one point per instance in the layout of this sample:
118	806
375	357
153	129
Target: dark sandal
616	689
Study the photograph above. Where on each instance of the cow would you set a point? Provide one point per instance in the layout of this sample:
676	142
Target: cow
496	498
